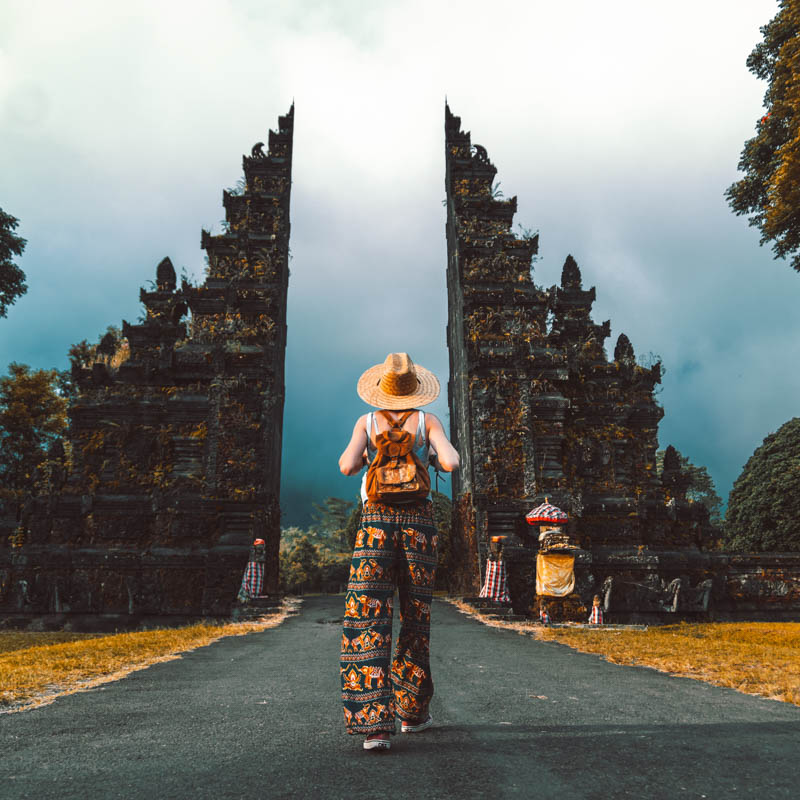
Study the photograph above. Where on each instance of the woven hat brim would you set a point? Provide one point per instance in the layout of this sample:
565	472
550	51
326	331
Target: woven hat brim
370	392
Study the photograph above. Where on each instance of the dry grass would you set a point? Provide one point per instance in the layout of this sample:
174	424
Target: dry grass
760	658
50	665
22	640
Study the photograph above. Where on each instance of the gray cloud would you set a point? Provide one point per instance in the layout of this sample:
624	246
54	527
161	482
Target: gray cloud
618	126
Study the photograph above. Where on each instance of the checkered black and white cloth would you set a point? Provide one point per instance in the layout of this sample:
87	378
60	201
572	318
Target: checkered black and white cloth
495	588
546	514
252	581
596	617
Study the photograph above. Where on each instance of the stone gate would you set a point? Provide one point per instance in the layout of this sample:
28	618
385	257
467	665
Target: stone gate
172	461
538	410
171	466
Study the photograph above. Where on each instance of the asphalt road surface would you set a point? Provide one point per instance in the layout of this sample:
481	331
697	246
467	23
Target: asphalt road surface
258	716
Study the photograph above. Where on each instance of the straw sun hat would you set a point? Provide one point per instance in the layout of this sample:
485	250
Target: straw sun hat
398	383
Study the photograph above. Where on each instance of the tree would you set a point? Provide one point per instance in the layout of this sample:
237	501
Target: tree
12	278
308	562
300	567
289	538
443	516
700	489
353	525
330	521
107	349
334	571
764	504
770	190
112	349
32	416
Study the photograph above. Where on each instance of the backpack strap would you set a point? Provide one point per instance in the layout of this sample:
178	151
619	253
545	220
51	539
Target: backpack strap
421	431
370	424
396	423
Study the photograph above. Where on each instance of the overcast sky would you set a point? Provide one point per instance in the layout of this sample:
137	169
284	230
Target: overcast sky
618	126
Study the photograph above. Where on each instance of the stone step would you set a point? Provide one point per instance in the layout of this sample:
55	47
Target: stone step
241	614
245	612
482	602
264	602
604	627
496	611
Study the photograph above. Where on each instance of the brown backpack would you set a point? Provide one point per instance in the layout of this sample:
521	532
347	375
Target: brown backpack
396	474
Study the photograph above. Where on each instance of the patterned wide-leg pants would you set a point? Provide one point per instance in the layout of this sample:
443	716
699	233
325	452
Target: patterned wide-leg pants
395	546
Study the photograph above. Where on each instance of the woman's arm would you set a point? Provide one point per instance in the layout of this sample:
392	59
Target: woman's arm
445	452
354	456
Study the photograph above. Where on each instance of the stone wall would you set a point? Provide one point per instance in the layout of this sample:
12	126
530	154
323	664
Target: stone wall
172	461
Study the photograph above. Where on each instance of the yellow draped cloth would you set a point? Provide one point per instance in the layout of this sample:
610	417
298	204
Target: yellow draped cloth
555	574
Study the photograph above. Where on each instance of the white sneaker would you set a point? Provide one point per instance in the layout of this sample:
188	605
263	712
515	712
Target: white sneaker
407	727
377	744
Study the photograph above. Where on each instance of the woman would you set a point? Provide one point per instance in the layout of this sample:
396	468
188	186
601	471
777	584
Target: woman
395	546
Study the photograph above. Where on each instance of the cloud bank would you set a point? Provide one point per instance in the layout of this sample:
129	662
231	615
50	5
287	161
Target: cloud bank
618	126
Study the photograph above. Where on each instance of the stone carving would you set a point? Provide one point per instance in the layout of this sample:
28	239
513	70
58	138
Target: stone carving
23	595
695	598
480	154
166	280
654	594
571	274
623	351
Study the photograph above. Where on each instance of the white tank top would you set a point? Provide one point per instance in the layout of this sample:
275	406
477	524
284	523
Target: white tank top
421	446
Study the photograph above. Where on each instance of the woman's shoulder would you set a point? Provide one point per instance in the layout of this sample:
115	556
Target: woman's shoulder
362	420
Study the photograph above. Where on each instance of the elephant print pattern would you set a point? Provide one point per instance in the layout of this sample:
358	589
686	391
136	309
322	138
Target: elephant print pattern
395	545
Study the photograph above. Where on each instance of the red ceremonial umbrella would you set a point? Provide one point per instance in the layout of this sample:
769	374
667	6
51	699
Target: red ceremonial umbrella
546	514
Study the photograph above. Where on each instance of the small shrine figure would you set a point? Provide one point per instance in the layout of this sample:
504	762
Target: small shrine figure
555	561
596	615
495	587
253	579
544	617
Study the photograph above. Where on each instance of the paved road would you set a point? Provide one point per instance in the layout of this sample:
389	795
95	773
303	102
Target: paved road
258	716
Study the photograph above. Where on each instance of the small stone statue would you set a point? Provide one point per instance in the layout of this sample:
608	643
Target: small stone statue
23	594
